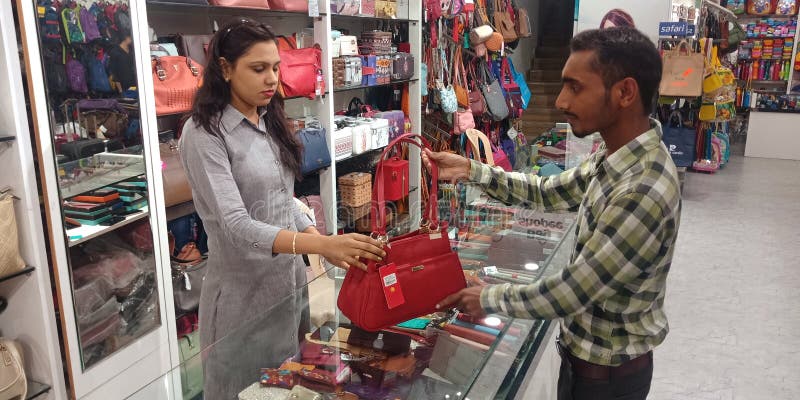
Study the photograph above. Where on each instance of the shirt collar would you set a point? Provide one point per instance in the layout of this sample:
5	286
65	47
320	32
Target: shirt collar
231	118
623	159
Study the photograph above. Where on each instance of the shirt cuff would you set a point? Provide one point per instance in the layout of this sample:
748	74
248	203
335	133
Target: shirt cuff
480	172
302	222
493	298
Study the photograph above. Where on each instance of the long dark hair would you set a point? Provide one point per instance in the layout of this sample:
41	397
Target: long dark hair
231	42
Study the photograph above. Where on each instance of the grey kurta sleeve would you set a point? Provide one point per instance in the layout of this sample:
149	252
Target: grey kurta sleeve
301	220
207	166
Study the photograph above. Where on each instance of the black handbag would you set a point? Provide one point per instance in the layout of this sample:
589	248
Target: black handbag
83	148
316	154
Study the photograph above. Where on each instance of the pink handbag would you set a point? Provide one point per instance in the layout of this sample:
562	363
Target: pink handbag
464	120
263	4
501	159
289	5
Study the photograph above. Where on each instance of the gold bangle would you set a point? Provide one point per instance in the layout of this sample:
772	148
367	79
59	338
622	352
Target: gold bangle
294	241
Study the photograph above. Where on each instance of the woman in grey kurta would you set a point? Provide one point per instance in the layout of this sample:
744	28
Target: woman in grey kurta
242	161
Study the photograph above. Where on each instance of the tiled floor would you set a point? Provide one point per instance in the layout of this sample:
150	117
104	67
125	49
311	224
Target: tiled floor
733	297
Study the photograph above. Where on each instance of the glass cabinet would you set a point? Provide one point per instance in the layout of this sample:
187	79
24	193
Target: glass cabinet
96	168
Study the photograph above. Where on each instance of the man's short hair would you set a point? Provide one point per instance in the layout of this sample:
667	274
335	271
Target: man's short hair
622	52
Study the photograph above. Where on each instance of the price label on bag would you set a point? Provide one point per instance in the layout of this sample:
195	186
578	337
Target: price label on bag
391	287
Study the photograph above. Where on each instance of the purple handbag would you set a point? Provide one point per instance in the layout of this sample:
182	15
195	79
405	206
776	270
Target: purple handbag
76	76
89	25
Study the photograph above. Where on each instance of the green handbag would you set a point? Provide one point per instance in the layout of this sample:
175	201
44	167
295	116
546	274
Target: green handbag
191	365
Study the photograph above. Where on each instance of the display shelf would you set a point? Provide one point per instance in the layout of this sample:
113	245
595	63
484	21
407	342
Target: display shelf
124	166
7	138
180	210
189	8
763	82
25	271
370	17
370	151
779	17
36	389
347	89
88	232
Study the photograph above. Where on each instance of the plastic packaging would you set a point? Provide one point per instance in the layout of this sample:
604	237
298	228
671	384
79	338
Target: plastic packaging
119	267
91	296
87	321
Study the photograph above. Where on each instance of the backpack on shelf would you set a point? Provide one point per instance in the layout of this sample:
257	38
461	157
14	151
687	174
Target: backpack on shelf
89	24
103	24
97	75
122	19
49	22
76	76
72	24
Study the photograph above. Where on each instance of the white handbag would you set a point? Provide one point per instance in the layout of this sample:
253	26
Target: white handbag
348	46
362	137
380	132
12	371
10	261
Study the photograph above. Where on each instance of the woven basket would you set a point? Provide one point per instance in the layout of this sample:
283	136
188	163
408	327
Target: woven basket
355	189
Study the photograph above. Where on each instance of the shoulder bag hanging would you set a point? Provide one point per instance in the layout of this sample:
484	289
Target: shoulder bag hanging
419	270
492	94
476	102
446	92
315	149
460	79
682	73
504	22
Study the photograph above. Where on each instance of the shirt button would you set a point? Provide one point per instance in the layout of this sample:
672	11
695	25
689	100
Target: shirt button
283	190
255	245
277	162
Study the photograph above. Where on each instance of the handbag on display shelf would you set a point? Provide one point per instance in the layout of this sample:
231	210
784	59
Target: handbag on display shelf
386	8
13	384
346	7
195	47
524	27
402	66
299	69
263	4
315	150
525	91
176	184
10	260
175	82
419	270
187	280
512	90
289	5
493	94
463	121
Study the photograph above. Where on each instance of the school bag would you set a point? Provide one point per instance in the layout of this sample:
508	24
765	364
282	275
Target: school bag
72	25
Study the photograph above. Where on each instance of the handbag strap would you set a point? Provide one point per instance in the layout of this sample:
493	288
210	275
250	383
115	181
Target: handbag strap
478	138
378	212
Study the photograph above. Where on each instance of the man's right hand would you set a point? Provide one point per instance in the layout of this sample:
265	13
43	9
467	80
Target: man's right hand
452	167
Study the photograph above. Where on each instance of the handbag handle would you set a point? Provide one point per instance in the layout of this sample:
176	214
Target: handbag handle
378	212
476	138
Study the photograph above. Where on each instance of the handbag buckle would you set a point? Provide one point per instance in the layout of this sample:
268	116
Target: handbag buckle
194	70
162	75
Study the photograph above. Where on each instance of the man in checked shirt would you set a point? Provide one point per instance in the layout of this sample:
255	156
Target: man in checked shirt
610	299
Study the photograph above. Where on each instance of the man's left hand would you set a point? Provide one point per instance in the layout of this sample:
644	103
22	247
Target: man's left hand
467	300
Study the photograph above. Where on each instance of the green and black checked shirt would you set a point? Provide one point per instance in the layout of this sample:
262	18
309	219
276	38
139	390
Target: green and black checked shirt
611	296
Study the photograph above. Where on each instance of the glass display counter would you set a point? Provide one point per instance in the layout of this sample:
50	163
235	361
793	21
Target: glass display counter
445	355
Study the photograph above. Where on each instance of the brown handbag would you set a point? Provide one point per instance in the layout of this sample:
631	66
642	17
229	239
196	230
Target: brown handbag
460	81
524	28
106	123
503	22
176	184
476	102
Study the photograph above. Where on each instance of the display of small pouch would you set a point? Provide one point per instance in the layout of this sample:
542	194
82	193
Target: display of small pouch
274	377
389	342
316	155
480	34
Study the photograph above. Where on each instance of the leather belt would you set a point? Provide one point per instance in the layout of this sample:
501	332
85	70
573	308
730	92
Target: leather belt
588	370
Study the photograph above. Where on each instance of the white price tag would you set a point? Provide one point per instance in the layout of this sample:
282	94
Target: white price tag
490	270
389	280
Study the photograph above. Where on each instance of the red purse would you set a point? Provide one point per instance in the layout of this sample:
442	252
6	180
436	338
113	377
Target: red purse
420	268
175	82
395	178
299	69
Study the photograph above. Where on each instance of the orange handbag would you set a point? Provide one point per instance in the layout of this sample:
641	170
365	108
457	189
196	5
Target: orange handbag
175	82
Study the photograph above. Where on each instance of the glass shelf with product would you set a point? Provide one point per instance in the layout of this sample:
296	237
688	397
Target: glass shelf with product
442	355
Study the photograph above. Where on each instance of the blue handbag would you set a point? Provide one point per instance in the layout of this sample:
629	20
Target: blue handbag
523	85
316	154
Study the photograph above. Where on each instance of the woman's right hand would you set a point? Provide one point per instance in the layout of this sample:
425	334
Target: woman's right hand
345	251
452	167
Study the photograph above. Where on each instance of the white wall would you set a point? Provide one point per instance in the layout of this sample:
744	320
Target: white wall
646	14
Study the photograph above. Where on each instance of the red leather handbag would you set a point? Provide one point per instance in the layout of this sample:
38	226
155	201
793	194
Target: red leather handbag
299	69
289	5
420	268
396	178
